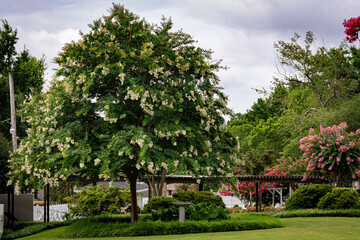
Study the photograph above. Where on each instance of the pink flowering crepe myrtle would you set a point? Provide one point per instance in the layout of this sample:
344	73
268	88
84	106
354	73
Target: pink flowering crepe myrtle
333	153
352	27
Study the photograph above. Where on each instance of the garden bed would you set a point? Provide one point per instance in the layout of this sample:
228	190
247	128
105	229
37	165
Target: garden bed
93	228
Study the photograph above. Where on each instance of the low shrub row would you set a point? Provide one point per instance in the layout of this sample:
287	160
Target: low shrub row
26	229
88	228
319	213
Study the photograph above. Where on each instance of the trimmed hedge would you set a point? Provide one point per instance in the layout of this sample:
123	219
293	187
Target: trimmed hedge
198	197
319	213
340	198
195	212
307	196
87	228
111	218
161	203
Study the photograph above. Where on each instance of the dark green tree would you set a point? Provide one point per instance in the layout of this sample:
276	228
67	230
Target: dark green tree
28	80
327	72
28	73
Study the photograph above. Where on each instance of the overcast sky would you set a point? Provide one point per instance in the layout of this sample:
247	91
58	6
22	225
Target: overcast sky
241	32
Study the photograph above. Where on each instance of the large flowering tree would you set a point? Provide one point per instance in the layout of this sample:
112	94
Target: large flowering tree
131	99
333	152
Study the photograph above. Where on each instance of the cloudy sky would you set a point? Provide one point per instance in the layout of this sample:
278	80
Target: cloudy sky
241	32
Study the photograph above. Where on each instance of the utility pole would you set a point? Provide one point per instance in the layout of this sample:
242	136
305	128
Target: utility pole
12	110
14	142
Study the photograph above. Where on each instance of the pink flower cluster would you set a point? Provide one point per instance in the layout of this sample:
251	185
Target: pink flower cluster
333	150
352	27
183	187
286	166
244	188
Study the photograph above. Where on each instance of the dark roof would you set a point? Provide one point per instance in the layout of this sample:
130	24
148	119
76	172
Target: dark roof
139	186
249	178
279	179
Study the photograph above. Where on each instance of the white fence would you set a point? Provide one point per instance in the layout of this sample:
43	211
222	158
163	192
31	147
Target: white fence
56	212
231	201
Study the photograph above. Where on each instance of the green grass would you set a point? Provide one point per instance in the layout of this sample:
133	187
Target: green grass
294	228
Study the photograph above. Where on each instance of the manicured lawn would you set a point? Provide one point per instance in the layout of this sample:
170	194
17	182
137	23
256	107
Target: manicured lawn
294	228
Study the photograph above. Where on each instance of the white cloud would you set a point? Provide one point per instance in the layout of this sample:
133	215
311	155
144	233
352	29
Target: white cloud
241	32
44	43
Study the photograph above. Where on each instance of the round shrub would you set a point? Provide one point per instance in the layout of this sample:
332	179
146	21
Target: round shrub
199	197
340	198
97	200
158	203
307	196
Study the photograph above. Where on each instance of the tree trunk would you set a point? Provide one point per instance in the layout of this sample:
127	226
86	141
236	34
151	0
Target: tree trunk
132	181
161	183
157	190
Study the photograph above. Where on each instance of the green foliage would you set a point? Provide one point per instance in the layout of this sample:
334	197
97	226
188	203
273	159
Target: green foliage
4	157
86	228
340	198
97	200
203	211
167	214
158	203
23	229
199	197
318	213
307	196
325	72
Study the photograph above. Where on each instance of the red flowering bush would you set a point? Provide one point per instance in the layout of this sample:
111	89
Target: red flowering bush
333	152
352	28
287	166
246	191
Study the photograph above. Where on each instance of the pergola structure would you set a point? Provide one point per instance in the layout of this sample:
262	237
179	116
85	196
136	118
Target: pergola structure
257	179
